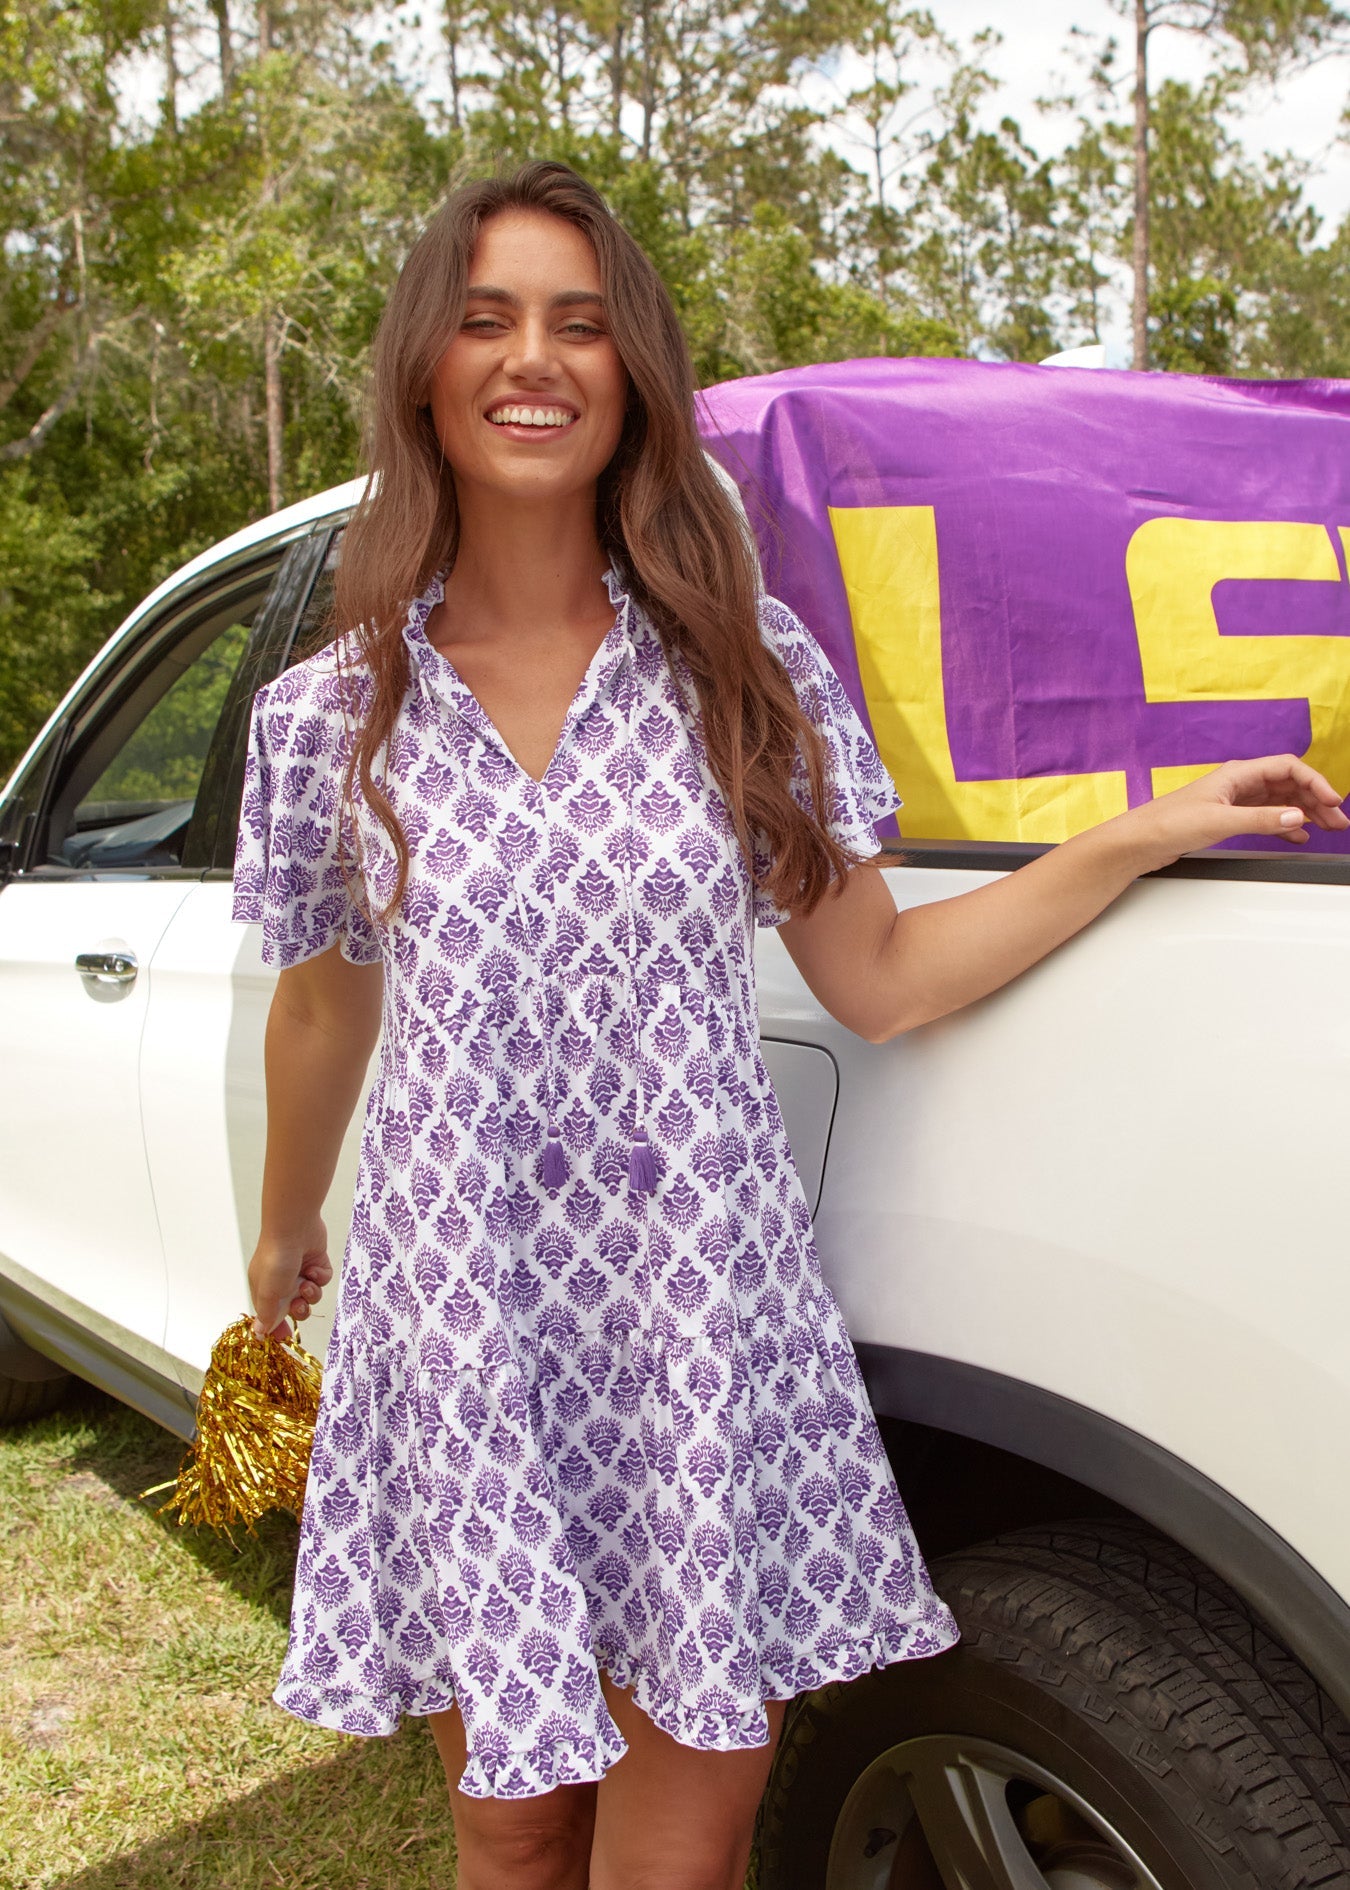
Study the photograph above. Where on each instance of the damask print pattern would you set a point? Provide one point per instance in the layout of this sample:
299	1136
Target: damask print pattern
571	1421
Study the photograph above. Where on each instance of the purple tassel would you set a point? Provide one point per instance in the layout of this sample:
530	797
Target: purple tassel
554	1168
641	1164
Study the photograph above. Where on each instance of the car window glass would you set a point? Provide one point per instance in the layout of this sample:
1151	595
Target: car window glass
131	794
314	629
163	761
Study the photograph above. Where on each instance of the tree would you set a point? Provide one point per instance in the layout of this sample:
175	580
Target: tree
1227	232
1092	187
1261	37
987	252
135	267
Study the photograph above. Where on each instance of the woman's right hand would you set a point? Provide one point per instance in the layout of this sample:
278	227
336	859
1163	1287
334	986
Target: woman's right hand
287	1277
1274	795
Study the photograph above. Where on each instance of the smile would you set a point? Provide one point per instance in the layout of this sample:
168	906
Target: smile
530	417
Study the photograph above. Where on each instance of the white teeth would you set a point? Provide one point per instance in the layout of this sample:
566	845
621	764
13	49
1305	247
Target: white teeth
530	417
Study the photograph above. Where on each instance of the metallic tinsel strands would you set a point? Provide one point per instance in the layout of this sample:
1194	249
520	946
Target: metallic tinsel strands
255	1425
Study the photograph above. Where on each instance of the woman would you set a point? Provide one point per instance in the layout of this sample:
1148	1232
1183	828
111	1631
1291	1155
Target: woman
595	1485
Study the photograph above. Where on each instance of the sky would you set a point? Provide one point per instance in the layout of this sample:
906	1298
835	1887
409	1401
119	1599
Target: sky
1300	116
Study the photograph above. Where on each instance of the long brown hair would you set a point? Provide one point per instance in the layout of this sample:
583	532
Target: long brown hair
661	512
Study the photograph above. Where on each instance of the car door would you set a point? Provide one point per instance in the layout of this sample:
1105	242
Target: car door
205	1112
105	834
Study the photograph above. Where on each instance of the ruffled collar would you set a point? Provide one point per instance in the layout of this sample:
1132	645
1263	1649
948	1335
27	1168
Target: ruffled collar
436	675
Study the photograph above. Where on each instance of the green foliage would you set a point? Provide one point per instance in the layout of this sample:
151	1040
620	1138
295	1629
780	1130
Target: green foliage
163	760
51	613
1194	324
188	298
987	253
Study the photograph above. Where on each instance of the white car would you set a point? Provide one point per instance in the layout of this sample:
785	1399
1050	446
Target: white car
1102	1310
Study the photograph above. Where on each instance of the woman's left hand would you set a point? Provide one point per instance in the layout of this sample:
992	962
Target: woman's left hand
1277	795
882	970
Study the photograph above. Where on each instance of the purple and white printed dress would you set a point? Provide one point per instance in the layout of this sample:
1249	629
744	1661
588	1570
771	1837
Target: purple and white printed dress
588	1402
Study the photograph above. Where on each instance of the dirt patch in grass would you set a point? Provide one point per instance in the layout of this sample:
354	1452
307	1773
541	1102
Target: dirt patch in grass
139	1744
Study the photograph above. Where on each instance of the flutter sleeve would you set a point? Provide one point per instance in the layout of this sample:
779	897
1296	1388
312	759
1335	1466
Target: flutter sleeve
288	876
860	791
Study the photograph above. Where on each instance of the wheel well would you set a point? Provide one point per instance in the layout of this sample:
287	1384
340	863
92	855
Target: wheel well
960	1490
1054	1459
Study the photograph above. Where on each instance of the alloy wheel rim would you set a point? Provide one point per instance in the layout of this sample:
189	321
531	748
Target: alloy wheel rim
943	1812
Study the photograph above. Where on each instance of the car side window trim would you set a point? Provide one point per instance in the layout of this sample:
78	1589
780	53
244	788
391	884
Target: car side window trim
268	653
108	698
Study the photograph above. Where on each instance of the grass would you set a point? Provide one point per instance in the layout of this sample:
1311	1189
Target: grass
139	1745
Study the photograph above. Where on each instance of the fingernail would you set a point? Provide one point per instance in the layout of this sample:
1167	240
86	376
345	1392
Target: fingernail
258	1332
1291	817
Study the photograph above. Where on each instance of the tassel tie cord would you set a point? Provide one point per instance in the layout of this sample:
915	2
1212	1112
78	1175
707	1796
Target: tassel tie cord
641	1161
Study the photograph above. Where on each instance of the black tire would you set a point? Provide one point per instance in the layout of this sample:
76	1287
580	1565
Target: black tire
1141	1708
1157	1567
22	1398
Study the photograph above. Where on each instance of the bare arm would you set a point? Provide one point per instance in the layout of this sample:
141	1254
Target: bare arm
321	1029
881	971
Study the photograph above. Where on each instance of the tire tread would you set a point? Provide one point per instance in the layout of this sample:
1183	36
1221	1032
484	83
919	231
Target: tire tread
23	1399
1132	1636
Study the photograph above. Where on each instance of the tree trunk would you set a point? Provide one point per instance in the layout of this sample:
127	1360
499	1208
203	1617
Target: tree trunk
452	52
152	436
170	70
648	86
221	9
272	375
264	28
1141	29
560	54
616	75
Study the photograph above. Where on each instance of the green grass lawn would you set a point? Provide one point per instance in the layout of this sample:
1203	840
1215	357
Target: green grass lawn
139	1746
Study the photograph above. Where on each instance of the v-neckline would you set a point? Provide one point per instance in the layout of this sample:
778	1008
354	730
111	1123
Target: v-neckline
467	701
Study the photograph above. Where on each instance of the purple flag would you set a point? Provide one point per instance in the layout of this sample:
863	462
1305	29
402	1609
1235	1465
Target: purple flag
1055	592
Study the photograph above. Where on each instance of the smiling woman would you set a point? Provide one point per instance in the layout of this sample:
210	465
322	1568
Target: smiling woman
536	362
595	1485
539	366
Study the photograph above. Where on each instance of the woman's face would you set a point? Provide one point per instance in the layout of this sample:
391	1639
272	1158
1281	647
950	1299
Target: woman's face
528	397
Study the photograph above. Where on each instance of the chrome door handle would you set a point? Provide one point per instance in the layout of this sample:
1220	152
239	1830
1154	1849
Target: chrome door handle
107	967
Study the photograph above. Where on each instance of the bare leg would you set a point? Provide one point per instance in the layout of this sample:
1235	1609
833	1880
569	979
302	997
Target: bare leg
670	1818
541	1843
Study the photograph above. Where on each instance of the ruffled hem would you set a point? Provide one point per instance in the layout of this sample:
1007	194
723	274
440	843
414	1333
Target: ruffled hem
503	1534
530	1771
736	1730
490	1772
346	1709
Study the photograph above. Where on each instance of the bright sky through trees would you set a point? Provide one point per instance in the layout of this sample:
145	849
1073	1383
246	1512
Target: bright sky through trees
205	202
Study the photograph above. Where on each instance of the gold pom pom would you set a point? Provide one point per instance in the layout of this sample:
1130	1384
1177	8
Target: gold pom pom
255	1426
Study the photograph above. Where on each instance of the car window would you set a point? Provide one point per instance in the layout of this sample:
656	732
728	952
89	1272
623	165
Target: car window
314	629
292	625
129	793
161	766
